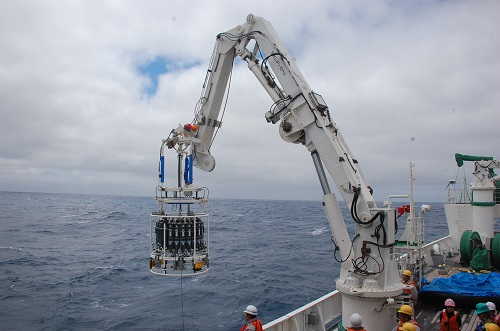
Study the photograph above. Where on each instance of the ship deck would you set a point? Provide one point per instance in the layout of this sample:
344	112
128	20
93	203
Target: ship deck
427	314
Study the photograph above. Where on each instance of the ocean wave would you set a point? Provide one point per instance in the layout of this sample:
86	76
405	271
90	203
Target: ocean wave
115	215
12	248
320	231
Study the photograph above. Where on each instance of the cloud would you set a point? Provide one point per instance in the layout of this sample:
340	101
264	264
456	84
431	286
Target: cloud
404	81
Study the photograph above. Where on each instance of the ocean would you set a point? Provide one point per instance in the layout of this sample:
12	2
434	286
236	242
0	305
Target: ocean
81	262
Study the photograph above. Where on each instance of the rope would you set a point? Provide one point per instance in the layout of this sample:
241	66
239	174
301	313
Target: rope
182	303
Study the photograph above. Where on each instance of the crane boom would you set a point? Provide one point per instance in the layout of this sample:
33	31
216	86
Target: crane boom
369	274
304	116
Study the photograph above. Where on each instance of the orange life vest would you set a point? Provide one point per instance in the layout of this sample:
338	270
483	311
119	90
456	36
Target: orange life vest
449	324
356	329
256	323
407	290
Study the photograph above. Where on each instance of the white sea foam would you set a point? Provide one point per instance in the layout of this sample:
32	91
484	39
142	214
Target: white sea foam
320	231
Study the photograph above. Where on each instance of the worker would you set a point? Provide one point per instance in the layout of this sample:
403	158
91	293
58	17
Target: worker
252	323
494	317
450	319
356	323
483	312
408	327
411	287
405	315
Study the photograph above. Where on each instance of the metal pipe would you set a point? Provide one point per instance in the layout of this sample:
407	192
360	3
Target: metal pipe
321	173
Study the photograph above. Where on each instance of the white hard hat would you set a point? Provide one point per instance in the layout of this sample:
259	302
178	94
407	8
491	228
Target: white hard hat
356	320
252	310
491	305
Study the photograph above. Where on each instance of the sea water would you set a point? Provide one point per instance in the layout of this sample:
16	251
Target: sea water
81	262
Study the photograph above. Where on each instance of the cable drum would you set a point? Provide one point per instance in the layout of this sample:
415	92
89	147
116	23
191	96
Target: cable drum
497	192
495	251
468	242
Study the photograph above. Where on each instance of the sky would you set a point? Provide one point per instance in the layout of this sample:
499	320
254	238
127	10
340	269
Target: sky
88	89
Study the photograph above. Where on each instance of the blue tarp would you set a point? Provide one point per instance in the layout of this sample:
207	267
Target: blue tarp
466	284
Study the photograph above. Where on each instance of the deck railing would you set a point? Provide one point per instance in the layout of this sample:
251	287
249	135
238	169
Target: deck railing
458	195
321	314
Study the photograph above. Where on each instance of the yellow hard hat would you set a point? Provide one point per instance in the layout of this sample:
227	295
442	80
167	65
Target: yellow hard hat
407	273
406	309
491	326
408	327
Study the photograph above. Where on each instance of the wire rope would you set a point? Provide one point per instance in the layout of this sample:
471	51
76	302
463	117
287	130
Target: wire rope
182	303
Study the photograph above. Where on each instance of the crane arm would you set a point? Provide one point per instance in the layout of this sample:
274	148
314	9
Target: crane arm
369	268
303	114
